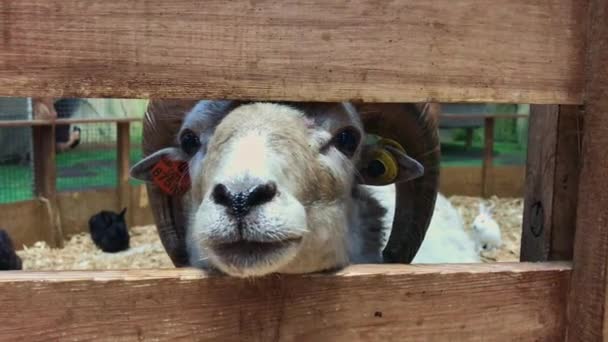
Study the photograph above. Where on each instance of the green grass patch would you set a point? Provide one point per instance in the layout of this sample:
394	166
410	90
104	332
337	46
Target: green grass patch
17	183
76	170
505	153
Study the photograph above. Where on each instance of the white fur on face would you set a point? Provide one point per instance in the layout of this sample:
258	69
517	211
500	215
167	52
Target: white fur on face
282	219
315	232
247	156
279	220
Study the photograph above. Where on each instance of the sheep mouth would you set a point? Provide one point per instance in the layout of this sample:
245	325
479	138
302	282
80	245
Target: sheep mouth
247	253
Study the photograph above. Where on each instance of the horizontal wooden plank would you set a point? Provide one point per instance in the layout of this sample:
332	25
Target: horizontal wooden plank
76	208
503	181
499	302
374	50
482	116
31	123
29	221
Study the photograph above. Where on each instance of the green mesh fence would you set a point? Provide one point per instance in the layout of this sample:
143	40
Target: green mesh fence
89	165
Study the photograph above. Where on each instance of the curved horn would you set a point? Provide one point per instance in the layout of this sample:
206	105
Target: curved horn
162	122
414	126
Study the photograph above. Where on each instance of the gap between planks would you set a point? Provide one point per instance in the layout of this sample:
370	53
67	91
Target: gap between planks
351	271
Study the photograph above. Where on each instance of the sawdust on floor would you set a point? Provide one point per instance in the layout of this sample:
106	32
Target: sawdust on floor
147	252
80	253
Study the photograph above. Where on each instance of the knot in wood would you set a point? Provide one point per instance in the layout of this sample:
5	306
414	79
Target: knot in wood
537	219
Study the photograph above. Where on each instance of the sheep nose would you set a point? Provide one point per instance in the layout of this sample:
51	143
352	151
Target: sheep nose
239	204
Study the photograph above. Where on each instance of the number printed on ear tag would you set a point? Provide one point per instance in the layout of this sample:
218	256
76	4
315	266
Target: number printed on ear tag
171	176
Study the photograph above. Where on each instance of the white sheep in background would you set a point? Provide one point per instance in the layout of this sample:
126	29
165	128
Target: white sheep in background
486	230
446	240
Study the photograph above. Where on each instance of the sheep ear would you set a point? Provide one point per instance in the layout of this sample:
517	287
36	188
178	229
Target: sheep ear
490	209
167	169
143	169
482	208
386	164
409	168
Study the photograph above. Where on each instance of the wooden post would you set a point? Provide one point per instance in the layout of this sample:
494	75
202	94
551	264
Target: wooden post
45	176
587	314
44	161
488	149
551	183
123	147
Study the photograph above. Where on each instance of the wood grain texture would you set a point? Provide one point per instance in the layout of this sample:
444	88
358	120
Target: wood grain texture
31	123
28	221
501	302
45	171
468	117
141	212
503	181
588	303
488	155
76	208
45	178
552	171
123	149
515	51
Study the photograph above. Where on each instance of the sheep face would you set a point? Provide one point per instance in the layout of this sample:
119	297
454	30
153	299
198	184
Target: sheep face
270	187
273	185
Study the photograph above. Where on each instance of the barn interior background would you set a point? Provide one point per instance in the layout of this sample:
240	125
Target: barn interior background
483	158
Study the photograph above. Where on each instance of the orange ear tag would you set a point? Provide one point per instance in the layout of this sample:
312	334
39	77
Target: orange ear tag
171	176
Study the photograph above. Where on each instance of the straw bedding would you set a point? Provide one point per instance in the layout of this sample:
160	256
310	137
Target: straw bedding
147	251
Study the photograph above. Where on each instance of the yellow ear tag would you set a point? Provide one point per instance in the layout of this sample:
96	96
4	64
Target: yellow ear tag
382	166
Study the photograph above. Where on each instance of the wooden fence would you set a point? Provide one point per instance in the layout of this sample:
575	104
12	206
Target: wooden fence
52	216
505	181
551	53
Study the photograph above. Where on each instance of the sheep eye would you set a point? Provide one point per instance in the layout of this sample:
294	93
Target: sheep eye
189	142
347	141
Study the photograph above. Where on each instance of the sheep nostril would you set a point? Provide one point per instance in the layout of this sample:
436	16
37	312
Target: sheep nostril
222	196
262	193
238	204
